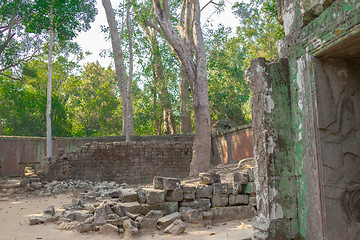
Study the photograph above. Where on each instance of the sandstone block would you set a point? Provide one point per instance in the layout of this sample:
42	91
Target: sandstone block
50	210
232	213
221	188
250	188
158	182
171	183
188	188
128	195
131	207
204	203
204	191
209	178
191	215
175	195
84	227
189	196
189	204
238	199
150	220
36	220
176	228
165	221
252	201
219	200
154	196
109	229
241	178
81	215
250	172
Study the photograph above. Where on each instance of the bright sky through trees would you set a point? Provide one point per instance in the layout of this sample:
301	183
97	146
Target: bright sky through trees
93	40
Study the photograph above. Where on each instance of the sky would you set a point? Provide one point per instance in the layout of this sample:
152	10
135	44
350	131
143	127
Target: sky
94	40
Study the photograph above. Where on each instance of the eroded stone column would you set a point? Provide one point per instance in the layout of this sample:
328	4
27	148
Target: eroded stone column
273	158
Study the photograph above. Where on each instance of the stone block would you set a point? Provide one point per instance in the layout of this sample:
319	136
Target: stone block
175	195
232	213
171	183
128	195
189	196
176	228
219	200
240	178
131	230
238	199
84	227
191	215
36	220
221	188
109	229
204	191
189	204
81	215
158	182
131	207
251	174
188	188
50	210
165	221
154	196
165	207
236	188
150	219
252	201
204	203
209	178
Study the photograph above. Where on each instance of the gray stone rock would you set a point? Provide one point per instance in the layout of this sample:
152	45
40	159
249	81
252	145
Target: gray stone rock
219	200
128	195
141	195
36	220
171	183
165	221
191	215
150	219
204	191
221	188
131	207
236	188
250	172
189	204
189	189
101	213
158	182
240	178
154	196
204	203
252	201
189	196
238	199
85	227
232	213
176	228
36	185
69	215
67	225
50	210
51	219
175	195
130	229
209	178
81	215
109	229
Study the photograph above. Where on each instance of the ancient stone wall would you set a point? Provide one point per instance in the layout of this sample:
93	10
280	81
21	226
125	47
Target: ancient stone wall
232	146
130	162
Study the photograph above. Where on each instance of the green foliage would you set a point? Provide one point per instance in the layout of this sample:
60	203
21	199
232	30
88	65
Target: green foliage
259	28
228	90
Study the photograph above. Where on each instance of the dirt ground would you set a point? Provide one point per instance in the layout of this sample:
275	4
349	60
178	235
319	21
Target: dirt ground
15	212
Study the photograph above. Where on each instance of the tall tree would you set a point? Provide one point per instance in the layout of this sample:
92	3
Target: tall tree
123	80
64	18
188	41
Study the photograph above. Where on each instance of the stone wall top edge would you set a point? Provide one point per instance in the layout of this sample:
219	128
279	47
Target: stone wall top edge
236	129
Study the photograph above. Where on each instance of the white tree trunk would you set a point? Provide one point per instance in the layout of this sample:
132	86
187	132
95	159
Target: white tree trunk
49	89
186	41
185	119
124	84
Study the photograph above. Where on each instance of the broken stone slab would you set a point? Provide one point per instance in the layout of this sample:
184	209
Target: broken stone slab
51	219
158	182
50	210
69	215
130	229
204	203
222	188
141	195
175	195
165	207
171	183
204	191
176	228
165	221
219	200
33	220
233	213
81	215
101	213
109	229
238	199
240	178
250	189
131	207
209	178
191	215
85	227
154	196
128	195
150	219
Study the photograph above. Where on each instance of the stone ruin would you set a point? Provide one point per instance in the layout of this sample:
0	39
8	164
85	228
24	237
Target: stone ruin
168	206
306	124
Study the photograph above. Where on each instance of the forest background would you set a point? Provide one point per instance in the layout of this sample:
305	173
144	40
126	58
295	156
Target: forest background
86	98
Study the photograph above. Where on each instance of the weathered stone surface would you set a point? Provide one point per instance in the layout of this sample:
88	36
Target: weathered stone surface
165	207
250	173
128	195
69	215
252	201
204	203
141	195
171	183
236	188
219	200
67	225
189	204
158	182
232	213
85	227
240	178
189	196
188	188
176	228
50	210
109	229
150	219
81	215
154	196
191	215
221	188
130	229
204	191
51	219
209	178
175	195
131	207
165	221
238	199
250	189
101	213
36	220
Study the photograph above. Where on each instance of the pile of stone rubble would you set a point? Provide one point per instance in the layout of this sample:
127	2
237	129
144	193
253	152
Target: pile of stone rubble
122	209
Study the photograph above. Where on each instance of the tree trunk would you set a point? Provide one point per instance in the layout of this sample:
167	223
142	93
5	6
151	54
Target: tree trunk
124	84
186	41
1	129
185	117
49	88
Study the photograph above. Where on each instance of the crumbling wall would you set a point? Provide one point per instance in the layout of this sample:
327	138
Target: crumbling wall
130	162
